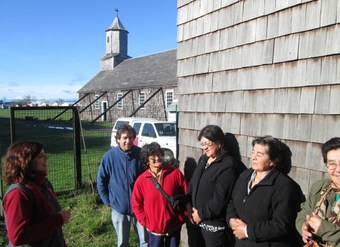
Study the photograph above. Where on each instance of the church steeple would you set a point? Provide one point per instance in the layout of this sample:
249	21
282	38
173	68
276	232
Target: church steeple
116	44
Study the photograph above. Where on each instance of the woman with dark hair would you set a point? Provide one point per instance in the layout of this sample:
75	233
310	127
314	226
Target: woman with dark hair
149	202
319	220
210	189
265	201
33	214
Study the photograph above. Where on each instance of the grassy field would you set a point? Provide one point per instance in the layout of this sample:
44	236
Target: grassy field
4	113
91	221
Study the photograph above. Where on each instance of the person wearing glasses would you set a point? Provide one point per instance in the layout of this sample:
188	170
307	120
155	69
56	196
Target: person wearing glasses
151	206
210	189
319	220
265	200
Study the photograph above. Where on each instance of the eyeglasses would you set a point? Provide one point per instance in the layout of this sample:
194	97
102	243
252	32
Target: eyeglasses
332	164
155	158
206	144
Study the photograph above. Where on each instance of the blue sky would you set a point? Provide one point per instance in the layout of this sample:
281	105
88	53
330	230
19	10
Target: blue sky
50	48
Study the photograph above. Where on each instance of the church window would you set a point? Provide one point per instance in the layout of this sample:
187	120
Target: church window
169	96
96	103
141	98
120	103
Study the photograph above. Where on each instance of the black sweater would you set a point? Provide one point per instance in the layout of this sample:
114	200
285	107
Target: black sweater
211	189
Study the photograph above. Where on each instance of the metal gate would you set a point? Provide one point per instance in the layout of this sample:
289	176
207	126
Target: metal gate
58	129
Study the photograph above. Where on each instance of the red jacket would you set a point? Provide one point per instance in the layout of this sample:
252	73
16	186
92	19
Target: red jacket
30	221
151	208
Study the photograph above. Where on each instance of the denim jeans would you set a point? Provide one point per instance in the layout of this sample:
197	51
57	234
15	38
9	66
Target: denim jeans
122	225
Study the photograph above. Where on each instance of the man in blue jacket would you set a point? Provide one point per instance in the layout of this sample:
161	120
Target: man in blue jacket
117	174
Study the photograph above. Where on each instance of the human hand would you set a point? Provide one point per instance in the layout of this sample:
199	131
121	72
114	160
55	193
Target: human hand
314	222
195	216
239	228
66	214
233	222
306	230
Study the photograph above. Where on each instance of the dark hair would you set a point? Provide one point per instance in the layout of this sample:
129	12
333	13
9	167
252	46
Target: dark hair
125	128
18	162
215	134
331	144
279	153
149	150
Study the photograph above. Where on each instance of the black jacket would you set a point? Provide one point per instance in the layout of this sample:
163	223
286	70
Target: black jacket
211	189
269	210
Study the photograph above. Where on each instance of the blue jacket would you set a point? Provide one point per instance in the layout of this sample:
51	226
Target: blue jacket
117	174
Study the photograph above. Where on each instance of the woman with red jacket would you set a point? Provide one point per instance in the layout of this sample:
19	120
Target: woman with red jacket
33	214
150	206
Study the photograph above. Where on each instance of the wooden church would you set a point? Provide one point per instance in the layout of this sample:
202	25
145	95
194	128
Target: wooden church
125	86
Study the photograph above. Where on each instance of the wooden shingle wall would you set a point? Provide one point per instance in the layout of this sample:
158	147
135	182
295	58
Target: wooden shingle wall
259	67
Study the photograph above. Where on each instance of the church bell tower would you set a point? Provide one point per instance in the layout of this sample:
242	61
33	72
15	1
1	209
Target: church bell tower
116	45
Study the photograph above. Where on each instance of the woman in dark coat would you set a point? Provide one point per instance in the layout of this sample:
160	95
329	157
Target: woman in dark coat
265	201
210	188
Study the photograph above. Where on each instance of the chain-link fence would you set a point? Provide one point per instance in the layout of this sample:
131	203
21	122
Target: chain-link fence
95	139
74	148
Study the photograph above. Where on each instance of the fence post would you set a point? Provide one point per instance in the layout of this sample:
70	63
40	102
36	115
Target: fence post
76	144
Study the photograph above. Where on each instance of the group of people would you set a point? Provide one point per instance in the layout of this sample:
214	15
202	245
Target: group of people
224	203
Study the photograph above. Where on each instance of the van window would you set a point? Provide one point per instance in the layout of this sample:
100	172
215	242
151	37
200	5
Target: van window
120	123
148	130
166	129
136	126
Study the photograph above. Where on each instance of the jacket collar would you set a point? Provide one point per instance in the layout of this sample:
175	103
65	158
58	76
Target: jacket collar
205	158
128	152
268	180
166	169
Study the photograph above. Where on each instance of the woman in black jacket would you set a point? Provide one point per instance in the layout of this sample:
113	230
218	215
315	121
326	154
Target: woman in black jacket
265	201
210	188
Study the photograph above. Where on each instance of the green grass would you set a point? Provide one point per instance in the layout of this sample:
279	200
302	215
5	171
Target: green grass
4	113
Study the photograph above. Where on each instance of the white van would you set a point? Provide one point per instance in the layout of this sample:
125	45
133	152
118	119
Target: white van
150	130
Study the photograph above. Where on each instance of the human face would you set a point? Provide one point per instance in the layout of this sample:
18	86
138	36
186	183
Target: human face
156	162
211	149
39	163
260	161
333	165
125	141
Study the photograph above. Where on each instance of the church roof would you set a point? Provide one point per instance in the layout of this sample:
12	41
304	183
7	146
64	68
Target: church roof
155	70
116	25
